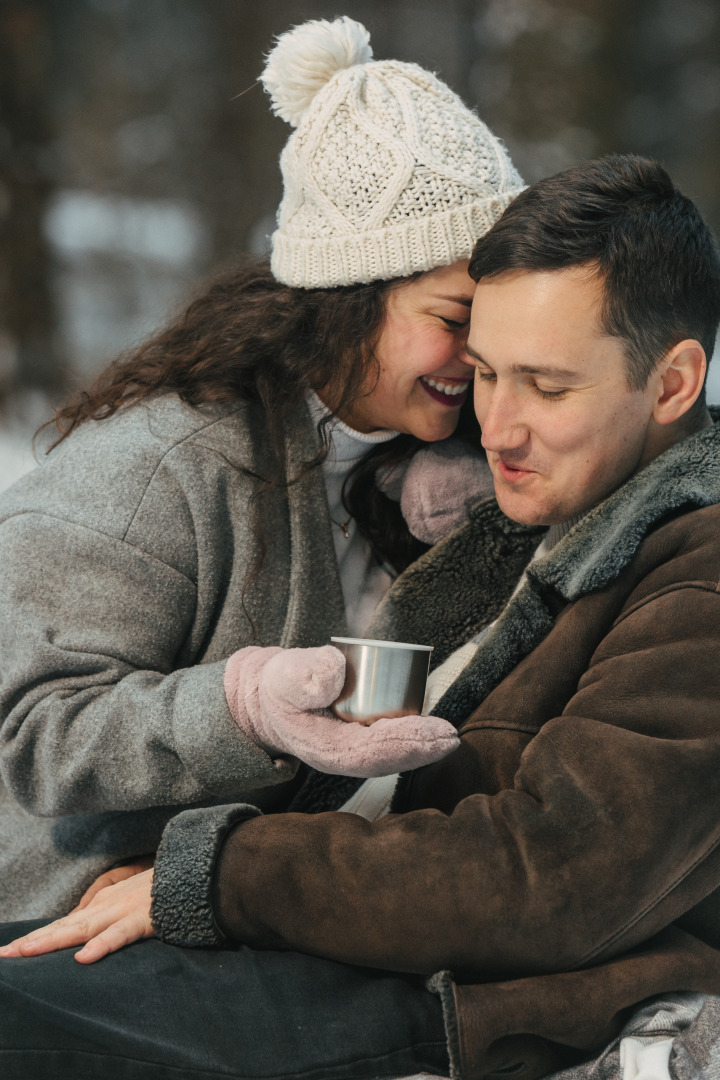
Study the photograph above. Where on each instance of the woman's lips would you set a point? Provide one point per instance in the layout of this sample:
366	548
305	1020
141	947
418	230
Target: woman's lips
450	392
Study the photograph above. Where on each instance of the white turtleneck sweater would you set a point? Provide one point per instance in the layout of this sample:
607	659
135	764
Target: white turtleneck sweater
364	583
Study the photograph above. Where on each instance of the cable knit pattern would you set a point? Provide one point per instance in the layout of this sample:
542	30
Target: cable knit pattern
388	172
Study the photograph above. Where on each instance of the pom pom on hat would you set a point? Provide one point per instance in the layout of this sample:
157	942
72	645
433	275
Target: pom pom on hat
306	58
387	172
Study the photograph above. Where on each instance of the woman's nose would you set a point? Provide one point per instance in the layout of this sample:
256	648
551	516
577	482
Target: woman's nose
461	363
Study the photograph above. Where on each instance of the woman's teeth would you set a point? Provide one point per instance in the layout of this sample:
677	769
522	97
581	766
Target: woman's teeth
451	389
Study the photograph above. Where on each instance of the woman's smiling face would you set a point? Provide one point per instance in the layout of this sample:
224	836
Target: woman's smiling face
423	376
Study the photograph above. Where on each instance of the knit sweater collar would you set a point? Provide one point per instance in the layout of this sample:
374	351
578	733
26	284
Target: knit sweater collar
346	445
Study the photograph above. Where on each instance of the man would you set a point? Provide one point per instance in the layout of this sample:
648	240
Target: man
564	862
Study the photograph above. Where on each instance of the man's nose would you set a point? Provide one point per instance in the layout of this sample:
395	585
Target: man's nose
499	414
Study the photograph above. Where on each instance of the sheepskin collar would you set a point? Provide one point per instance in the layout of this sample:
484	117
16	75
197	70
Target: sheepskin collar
604	541
589	557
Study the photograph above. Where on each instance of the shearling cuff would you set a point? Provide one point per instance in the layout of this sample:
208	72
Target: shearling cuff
441	983
181	911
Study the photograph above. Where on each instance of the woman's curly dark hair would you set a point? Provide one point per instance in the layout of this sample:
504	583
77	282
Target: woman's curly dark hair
249	337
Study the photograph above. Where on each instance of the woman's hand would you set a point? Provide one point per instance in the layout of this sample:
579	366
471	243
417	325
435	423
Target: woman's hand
118	915
279	698
111	877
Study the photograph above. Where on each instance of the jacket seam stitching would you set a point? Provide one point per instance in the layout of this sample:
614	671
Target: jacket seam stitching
677	587
170	449
497	725
99	532
650	907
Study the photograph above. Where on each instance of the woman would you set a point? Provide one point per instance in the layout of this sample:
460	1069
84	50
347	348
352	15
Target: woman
193	512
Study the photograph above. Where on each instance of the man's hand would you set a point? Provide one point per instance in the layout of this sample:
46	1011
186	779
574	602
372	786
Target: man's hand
111	877
116	916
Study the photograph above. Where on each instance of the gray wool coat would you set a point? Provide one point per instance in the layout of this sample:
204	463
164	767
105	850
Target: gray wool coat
123	560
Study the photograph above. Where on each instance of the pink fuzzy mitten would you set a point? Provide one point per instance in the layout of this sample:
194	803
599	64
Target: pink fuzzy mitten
279	698
436	486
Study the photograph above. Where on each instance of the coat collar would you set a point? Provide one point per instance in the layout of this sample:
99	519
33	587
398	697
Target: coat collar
589	557
604	541
316	608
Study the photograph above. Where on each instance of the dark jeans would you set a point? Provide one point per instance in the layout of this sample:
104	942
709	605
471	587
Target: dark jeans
160	1012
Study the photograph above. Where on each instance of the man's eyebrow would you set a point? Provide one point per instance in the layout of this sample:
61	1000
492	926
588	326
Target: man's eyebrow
464	300
531	369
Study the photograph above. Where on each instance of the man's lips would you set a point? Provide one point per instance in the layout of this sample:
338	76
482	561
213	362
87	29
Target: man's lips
512	474
450	392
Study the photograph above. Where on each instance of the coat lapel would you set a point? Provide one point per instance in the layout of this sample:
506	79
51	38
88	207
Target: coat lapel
523	624
459	586
589	557
686	477
316	608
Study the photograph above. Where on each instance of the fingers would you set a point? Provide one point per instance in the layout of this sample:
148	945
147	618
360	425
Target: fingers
306	678
72	930
75	930
403	744
112	876
388	746
90	892
118	915
124	932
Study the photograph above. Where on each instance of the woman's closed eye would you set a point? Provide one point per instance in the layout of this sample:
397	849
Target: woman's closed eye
454	324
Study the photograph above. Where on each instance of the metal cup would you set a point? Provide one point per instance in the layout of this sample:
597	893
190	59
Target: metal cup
382	678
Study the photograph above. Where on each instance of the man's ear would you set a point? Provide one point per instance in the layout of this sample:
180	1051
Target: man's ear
680	377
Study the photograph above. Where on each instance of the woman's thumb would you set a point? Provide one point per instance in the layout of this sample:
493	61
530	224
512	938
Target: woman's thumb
306	678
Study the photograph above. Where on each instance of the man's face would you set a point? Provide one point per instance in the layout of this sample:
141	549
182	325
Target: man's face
560	425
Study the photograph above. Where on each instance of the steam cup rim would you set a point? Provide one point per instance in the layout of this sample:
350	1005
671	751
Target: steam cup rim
384	644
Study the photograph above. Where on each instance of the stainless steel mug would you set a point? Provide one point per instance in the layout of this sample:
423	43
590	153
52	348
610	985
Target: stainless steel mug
382	678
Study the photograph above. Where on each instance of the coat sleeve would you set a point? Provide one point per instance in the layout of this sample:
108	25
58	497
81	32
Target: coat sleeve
97	714
610	830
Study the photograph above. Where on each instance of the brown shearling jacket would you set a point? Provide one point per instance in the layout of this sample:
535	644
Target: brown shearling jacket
564	863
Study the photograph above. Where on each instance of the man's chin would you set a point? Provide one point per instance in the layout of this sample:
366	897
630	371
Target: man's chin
520	510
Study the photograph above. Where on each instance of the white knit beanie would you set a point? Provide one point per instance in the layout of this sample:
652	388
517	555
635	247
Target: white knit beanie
388	172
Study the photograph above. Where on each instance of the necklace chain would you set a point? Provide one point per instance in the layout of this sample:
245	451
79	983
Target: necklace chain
344	525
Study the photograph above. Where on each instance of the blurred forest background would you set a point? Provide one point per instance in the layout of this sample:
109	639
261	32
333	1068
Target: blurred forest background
138	154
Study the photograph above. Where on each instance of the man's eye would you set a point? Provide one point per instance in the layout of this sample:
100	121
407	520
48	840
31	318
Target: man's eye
485	376
550	394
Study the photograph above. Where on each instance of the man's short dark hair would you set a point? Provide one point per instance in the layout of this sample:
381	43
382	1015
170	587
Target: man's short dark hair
623	216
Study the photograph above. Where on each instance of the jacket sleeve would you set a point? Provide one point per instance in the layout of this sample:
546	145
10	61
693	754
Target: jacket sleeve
97	713
610	830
